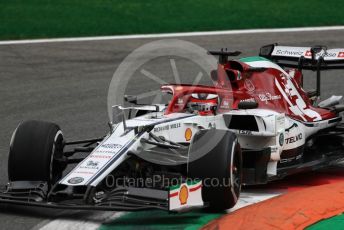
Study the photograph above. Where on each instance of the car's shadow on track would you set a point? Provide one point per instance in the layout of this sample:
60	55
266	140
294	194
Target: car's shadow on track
153	217
28	211
51	214
162	220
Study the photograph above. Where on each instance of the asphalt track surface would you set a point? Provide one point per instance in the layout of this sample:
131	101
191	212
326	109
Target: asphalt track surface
67	83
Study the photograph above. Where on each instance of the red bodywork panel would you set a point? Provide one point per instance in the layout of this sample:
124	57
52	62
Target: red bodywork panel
269	87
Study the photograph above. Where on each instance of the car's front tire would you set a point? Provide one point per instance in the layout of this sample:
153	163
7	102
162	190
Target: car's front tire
220	169
36	152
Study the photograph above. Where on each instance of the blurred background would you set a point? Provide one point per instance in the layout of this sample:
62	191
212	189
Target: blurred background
21	19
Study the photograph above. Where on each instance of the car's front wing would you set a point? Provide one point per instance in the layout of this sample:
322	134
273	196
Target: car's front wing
181	197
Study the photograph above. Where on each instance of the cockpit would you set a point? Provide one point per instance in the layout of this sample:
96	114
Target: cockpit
203	100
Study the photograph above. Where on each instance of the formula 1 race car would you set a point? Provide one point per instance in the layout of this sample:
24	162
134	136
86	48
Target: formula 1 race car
254	125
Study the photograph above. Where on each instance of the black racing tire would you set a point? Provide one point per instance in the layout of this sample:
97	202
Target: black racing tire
36	150
222	164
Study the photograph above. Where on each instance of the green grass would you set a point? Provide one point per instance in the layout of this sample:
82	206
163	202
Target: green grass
334	223
21	19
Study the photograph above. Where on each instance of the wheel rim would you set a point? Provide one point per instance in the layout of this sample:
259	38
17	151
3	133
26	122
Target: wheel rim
235	171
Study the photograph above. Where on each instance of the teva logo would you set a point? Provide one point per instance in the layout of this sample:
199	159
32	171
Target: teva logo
296	103
293	139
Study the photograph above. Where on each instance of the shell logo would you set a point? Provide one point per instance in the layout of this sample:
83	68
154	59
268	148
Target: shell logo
188	134
183	195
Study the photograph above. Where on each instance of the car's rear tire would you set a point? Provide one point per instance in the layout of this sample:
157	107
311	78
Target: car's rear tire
222	164
36	150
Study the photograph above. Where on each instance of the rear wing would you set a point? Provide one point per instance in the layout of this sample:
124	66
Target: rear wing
316	58
310	58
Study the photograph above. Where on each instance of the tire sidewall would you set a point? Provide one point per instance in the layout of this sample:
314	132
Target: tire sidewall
32	149
218	164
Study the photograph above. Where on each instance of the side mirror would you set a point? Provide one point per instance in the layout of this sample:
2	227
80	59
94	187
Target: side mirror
131	99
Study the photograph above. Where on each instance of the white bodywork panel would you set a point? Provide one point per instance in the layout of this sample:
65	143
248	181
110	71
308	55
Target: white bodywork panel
276	131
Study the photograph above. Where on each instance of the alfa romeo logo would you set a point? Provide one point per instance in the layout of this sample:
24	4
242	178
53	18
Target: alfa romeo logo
75	180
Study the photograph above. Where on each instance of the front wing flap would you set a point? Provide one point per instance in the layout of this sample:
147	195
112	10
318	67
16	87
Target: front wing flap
177	198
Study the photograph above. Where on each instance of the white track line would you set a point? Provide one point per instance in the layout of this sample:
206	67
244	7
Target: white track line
172	35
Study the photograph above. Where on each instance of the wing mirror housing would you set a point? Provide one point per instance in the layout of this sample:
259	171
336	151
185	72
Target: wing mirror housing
131	99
